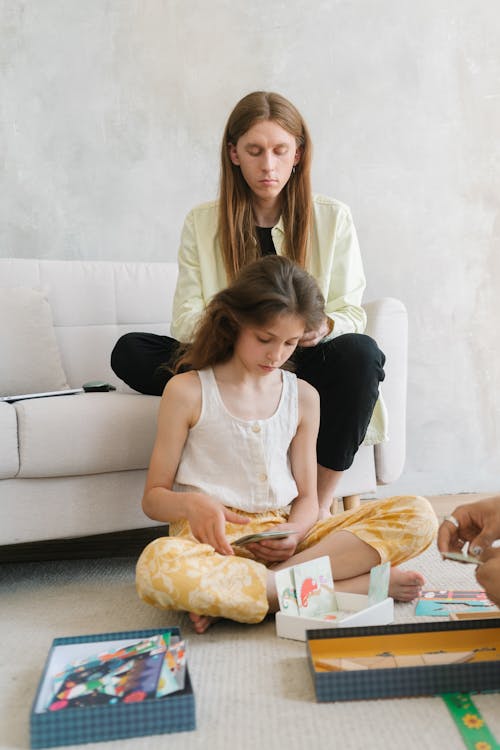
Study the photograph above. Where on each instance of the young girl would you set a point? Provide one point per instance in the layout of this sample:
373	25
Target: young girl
235	454
266	206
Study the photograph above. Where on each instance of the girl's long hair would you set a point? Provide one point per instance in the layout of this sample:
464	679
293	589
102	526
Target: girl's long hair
236	228
265	289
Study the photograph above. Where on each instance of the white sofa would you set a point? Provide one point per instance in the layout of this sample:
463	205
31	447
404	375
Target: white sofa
74	465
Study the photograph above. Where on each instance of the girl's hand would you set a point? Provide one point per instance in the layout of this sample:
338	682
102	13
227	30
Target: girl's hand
311	338
207	518
276	550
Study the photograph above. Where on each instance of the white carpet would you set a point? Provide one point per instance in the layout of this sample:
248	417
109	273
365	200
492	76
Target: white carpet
253	690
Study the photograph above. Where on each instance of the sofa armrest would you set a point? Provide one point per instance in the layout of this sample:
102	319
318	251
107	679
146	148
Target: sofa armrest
388	325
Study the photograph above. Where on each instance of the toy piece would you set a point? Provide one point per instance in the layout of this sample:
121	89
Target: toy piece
340	665
376	662
390	661
475	615
454	657
408	660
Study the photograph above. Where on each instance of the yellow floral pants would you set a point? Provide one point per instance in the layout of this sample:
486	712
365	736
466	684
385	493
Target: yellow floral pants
178	572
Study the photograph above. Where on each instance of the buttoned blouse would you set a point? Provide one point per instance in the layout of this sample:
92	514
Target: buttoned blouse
243	463
334	259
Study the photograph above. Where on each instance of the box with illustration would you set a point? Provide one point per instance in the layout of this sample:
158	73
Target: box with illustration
113	686
405	660
308	600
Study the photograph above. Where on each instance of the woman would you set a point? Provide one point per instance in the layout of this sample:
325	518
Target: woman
266	206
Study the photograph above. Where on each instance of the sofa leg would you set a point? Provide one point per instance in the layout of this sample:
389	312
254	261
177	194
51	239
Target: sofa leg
351	502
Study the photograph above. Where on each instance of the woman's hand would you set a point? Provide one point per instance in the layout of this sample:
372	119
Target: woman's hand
311	338
477	523
276	550
488	574
207	518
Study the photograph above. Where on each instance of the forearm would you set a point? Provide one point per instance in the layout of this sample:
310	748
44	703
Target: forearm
168	506
304	514
184	320
350	319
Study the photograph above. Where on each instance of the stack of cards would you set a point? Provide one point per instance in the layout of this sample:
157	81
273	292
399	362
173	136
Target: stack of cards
150	668
259	535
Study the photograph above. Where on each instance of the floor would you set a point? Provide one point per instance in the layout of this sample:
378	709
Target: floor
252	689
445	504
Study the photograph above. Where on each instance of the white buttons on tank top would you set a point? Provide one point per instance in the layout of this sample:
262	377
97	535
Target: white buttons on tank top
243	463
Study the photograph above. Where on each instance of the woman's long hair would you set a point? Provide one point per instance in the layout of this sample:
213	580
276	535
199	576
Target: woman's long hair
236	229
264	289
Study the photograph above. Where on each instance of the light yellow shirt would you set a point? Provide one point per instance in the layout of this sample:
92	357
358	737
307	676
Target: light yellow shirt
334	261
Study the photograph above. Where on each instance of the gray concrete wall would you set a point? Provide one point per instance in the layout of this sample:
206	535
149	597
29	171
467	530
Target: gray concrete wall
111	117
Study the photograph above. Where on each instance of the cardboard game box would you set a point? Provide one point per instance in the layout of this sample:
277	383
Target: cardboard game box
405	660
308	600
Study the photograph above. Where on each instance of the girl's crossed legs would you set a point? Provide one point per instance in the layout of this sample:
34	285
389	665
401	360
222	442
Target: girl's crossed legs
179	573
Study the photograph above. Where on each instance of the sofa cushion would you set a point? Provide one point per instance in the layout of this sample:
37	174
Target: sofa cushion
86	433
30	360
9	455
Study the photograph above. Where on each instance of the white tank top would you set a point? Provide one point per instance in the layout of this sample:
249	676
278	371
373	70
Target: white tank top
243	463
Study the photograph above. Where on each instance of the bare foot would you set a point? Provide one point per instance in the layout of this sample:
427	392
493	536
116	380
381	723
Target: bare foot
405	585
202	622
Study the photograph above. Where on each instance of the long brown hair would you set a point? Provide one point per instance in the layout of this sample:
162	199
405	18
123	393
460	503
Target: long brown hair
236	229
266	288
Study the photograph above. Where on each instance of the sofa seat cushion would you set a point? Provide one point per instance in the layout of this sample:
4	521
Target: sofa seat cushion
86	433
9	455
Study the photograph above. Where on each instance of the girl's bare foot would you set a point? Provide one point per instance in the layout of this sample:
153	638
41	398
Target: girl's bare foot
202	622
405	585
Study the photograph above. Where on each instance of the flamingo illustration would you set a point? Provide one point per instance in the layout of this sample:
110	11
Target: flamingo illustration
309	586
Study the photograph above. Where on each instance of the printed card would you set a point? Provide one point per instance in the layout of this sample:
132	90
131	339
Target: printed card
378	589
462	557
429	608
173	671
433	608
129	680
478	595
285	585
314	587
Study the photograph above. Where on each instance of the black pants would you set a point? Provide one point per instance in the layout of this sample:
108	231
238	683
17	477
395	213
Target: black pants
346	372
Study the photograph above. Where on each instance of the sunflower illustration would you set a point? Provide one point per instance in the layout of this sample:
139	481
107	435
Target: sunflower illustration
482	746
472	721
